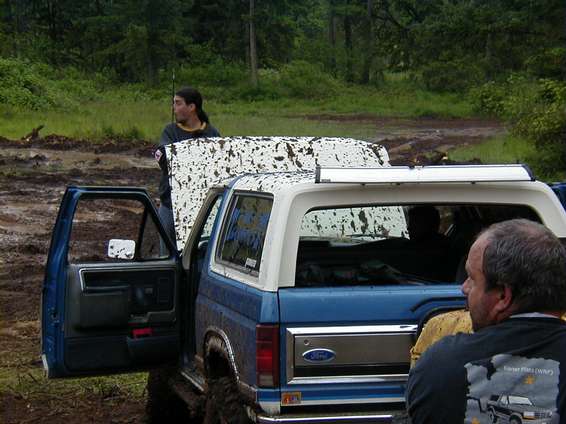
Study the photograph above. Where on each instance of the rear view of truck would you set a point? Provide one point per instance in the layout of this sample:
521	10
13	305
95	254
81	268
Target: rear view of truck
297	295
356	279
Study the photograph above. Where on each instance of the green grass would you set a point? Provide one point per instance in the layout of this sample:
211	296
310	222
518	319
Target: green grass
22	375
146	121
502	149
31	383
391	100
127	111
89	121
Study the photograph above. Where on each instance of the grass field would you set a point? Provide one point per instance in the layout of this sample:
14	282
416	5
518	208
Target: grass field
502	149
128	111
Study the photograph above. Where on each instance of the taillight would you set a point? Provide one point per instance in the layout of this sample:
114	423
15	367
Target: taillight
267	355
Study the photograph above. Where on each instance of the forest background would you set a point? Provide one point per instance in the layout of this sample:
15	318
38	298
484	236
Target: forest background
106	68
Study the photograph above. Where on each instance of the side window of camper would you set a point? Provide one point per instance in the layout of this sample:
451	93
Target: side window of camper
244	232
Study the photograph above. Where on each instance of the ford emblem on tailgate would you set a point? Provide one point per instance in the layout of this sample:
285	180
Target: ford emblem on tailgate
319	355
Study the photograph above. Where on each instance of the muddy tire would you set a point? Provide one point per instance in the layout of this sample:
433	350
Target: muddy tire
224	404
163	404
492	416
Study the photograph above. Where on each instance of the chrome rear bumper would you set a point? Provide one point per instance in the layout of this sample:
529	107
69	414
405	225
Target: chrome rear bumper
326	419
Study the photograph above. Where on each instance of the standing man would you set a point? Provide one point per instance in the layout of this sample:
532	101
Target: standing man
513	367
190	122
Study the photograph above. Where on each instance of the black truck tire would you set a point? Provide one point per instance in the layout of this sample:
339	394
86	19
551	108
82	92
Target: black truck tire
492	416
223	403
163	404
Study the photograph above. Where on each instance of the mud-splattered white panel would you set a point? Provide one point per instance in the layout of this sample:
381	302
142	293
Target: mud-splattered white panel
366	223
196	165
273	182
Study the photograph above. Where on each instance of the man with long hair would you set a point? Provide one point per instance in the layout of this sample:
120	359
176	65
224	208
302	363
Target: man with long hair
191	121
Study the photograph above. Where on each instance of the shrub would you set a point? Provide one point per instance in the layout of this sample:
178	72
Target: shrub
218	73
20	86
488	99
454	75
536	111
539	114
305	80
548	63
27	85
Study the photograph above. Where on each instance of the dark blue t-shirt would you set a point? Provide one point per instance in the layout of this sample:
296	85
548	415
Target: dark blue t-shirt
172	133
513	372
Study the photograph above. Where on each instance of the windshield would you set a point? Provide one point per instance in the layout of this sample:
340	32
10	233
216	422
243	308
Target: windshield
519	400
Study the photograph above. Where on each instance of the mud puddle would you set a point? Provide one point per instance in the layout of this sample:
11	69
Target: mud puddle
61	159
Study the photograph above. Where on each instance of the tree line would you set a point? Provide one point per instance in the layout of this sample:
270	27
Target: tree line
449	44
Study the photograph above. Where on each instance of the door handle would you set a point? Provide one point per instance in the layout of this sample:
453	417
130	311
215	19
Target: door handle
116	286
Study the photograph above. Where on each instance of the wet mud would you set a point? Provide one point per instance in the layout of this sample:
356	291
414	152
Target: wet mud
33	177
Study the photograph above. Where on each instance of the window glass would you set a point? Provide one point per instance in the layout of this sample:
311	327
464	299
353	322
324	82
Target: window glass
152	245
359	223
395	244
244	234
99	225
209	223
206	229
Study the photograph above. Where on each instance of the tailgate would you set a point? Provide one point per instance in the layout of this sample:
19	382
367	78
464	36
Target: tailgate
350	345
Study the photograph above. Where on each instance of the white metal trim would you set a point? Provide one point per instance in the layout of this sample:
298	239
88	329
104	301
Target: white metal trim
358	329
424	174
374	378
362	418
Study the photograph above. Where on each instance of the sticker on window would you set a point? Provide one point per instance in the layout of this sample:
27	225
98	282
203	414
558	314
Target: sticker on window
250	263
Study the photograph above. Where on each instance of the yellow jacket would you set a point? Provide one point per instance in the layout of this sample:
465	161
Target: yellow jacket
442	325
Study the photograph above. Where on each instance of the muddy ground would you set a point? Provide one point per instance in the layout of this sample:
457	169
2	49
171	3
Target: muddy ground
33	177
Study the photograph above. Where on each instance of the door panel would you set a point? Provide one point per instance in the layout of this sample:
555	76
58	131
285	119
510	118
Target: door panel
102	313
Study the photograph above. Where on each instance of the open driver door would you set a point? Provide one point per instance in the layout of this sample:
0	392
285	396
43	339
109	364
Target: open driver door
110	300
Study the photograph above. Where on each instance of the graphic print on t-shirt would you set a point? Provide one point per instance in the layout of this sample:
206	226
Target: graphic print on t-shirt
512	389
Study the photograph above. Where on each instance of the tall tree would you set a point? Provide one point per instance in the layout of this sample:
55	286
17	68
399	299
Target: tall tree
332	35
347	23
253	46
368	43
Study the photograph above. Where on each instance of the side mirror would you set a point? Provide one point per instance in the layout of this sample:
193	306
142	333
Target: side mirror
121	249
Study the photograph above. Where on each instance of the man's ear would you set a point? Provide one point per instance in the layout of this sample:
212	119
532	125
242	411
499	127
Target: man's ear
504	306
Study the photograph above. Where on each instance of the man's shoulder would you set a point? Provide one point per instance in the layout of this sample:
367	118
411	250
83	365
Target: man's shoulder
211	131
449	346
169	127
168	134
510	334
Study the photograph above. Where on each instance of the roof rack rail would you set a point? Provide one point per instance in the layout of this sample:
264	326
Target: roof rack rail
425	174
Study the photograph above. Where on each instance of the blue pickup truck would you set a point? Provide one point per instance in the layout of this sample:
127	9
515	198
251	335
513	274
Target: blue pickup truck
301	273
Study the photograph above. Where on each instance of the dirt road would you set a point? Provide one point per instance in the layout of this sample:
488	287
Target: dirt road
33	177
